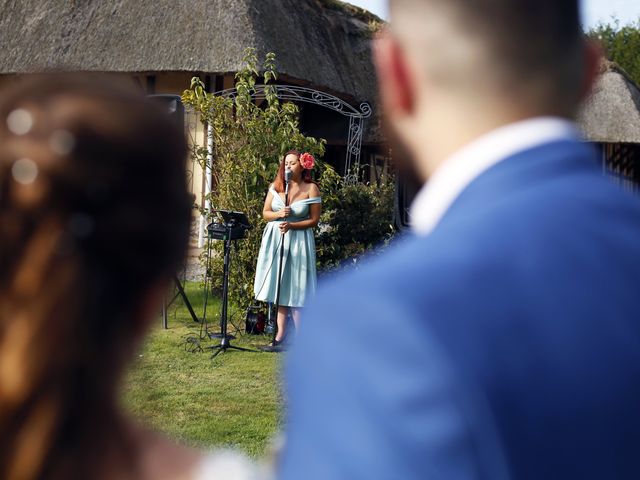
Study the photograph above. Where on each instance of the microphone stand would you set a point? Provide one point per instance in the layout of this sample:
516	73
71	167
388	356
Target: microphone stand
166	305
273	347
225	344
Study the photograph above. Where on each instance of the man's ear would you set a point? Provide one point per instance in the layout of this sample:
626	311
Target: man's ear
593	58
396	88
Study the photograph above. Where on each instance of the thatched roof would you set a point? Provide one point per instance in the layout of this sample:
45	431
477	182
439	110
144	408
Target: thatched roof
612	113
320	43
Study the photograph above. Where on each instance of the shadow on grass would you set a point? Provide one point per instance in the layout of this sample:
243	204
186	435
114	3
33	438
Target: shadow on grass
233	400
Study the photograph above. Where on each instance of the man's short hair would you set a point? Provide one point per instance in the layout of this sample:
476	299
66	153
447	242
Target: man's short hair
530	48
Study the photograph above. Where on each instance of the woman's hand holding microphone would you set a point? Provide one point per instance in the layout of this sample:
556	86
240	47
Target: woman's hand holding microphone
285	212
284	226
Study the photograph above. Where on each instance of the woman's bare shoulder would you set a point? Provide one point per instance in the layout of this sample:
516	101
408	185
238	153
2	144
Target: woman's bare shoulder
271	190
228	464
162	459
314	191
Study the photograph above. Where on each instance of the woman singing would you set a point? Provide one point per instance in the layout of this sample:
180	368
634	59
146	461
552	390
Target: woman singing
292	225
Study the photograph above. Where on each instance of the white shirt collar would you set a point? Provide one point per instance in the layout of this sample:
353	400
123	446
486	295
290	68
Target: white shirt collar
458	171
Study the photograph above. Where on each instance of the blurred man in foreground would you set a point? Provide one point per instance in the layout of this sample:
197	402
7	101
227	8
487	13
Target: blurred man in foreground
501	339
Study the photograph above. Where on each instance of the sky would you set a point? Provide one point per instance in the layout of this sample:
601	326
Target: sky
593	11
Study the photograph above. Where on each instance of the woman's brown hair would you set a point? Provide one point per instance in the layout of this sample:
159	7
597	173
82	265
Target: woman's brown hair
278	182
93	214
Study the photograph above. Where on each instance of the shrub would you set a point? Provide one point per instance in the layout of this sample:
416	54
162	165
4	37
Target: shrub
355	219
621	44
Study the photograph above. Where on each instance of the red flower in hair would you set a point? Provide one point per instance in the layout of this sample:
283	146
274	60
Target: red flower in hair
307	161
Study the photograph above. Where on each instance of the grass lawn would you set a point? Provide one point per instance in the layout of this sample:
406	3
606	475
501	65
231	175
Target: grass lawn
232	400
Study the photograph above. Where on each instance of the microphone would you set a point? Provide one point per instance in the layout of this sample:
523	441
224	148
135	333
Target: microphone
287	178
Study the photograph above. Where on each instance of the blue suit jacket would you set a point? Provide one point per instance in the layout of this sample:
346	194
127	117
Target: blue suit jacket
506	344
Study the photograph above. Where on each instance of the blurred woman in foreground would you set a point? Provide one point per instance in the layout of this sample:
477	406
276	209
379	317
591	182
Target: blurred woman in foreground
94	220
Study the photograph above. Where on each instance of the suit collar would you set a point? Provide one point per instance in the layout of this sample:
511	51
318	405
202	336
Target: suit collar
461	169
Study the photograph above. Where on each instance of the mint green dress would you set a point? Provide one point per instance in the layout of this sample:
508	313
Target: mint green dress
299	258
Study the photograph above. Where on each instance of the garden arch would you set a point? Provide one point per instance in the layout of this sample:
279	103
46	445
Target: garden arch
356	116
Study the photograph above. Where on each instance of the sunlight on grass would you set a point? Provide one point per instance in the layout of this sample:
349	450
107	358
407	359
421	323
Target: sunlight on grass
232	400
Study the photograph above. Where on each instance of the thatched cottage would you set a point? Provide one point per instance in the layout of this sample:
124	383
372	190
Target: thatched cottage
611	119
320	44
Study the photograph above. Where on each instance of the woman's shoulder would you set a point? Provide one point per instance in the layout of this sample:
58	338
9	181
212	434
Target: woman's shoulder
313	191
272	189
226	464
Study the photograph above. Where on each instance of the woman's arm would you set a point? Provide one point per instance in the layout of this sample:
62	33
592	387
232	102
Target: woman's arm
268	214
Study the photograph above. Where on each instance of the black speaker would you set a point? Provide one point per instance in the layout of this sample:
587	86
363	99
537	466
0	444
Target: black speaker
254	321
172	105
